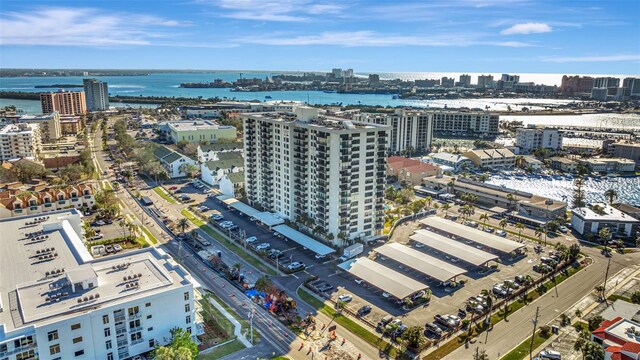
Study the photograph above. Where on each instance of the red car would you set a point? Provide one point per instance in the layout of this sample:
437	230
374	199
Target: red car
173	188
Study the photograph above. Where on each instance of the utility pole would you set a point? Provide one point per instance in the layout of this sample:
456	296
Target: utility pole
604	286
533	335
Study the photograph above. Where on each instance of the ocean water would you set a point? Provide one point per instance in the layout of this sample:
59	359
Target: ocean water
562	190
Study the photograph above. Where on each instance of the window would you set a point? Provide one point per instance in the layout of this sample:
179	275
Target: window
186	296
134	324
107	332
147	304
136	336
54	349
152	343
107	344
134	310
110	356
189	329
30	354
149	316
187	307
188	319
150	329
79	353
105	319
75	326
53	335
77	340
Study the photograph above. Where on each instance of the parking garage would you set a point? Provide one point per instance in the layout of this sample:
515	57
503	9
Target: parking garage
428	265
477	236
398	285
452	247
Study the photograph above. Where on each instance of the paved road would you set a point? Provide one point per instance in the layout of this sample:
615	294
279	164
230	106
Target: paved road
506	335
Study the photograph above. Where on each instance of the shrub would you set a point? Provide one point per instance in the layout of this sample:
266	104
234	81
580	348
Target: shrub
545	331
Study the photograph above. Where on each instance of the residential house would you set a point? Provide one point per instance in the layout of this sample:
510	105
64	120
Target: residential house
173	161
564	164
41	199
213	171
231	183
209	152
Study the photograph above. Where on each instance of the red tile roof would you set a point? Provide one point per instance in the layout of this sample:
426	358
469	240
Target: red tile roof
632	347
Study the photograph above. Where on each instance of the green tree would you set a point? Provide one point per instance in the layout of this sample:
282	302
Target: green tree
445	208
414	337
635	297
539	232
503	223
605	236
611	194
578	192
183	224
484	218
481	355
520	227
180	347
263	283
595	322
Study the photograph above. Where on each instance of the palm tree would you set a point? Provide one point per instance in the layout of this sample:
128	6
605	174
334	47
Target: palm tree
122	224
428	201
578	314
445	208
183	224
511	199
489	298
484	218
520	227
611	194
539	232
605	235
237	267
263	283
503	223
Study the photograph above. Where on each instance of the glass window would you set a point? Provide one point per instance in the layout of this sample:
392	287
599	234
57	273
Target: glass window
188	319
107	344
187	307
54	349
79	353
75	326
105	319
77	340
107	332
186	295
53	335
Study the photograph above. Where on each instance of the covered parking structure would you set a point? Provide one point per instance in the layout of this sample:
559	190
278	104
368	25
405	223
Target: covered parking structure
428	265
452	247
385	279
302	239
478	236
266	218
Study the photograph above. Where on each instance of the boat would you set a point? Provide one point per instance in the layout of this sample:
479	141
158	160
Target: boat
395	97
268	97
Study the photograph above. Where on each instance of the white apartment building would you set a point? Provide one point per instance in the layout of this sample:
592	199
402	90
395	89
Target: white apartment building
96	94
50	127
326	172
20	140
58	302
532	139
211	152
492	158
477	123
409	129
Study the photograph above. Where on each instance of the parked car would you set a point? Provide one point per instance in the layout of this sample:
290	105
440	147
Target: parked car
320	257
501	233
433	329
217	217
109	249
296	265
98	223
117	247
386	295
489	229
359	281
550	354
264	246
384	321
97	237
173	188
511	284
274	253
418	295
345	297
563	229
364	310
520	279
203	208
324	287
251	239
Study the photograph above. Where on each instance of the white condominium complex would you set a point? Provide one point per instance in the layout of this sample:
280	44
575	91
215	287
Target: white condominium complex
58	302
327	174
96	94
409	129
50	126
477	123
20	140
532	139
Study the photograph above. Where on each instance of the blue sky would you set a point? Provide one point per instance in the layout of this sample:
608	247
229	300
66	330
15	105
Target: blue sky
533	36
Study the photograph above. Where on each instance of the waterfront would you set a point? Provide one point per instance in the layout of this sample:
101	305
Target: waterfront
562	189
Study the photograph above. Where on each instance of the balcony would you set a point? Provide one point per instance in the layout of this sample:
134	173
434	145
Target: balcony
135	316
134	329
135	342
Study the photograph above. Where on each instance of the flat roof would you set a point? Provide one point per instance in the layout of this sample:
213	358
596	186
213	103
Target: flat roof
264	217
607	213
452	247
384	278
43	255
481	237
302	239
192	125
428	265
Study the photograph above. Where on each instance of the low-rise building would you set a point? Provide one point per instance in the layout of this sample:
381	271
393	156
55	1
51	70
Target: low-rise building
20	141
210	152
50	126
39	199
626	150
410	171
492	158
531	163
564	164
231	183
609	164
71	125
590	219
174	162
619	339
531	139
58	302
198	131
213	171
454	161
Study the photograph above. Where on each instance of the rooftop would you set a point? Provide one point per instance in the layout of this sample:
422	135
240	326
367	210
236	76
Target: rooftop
22	128
466	232
320	122
563	160
602	212
39	281
38	117
445	156
491	153
194	125
221	146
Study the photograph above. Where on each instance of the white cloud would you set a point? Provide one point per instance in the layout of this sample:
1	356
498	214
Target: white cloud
63	26
371	38
279	11
527	28
604	58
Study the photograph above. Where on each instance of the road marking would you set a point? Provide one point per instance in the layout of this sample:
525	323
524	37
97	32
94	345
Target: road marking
294	275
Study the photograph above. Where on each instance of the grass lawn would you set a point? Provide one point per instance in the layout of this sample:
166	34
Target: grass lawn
213	312
619	297
106	185
222	351
160	191
349	324
227	243
244	323
522	350
149	235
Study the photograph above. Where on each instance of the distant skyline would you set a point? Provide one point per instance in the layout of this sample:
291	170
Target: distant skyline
494	36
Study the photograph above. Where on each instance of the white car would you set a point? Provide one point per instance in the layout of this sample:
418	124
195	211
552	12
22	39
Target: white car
386	294
550	354
251	239
319	257
501	233
117	247
295	265
563	229
345	297
264	246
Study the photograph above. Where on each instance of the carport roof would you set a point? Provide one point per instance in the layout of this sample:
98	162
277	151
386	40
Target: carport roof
302	239
385	279
265	217
453	247
428	265
481	237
